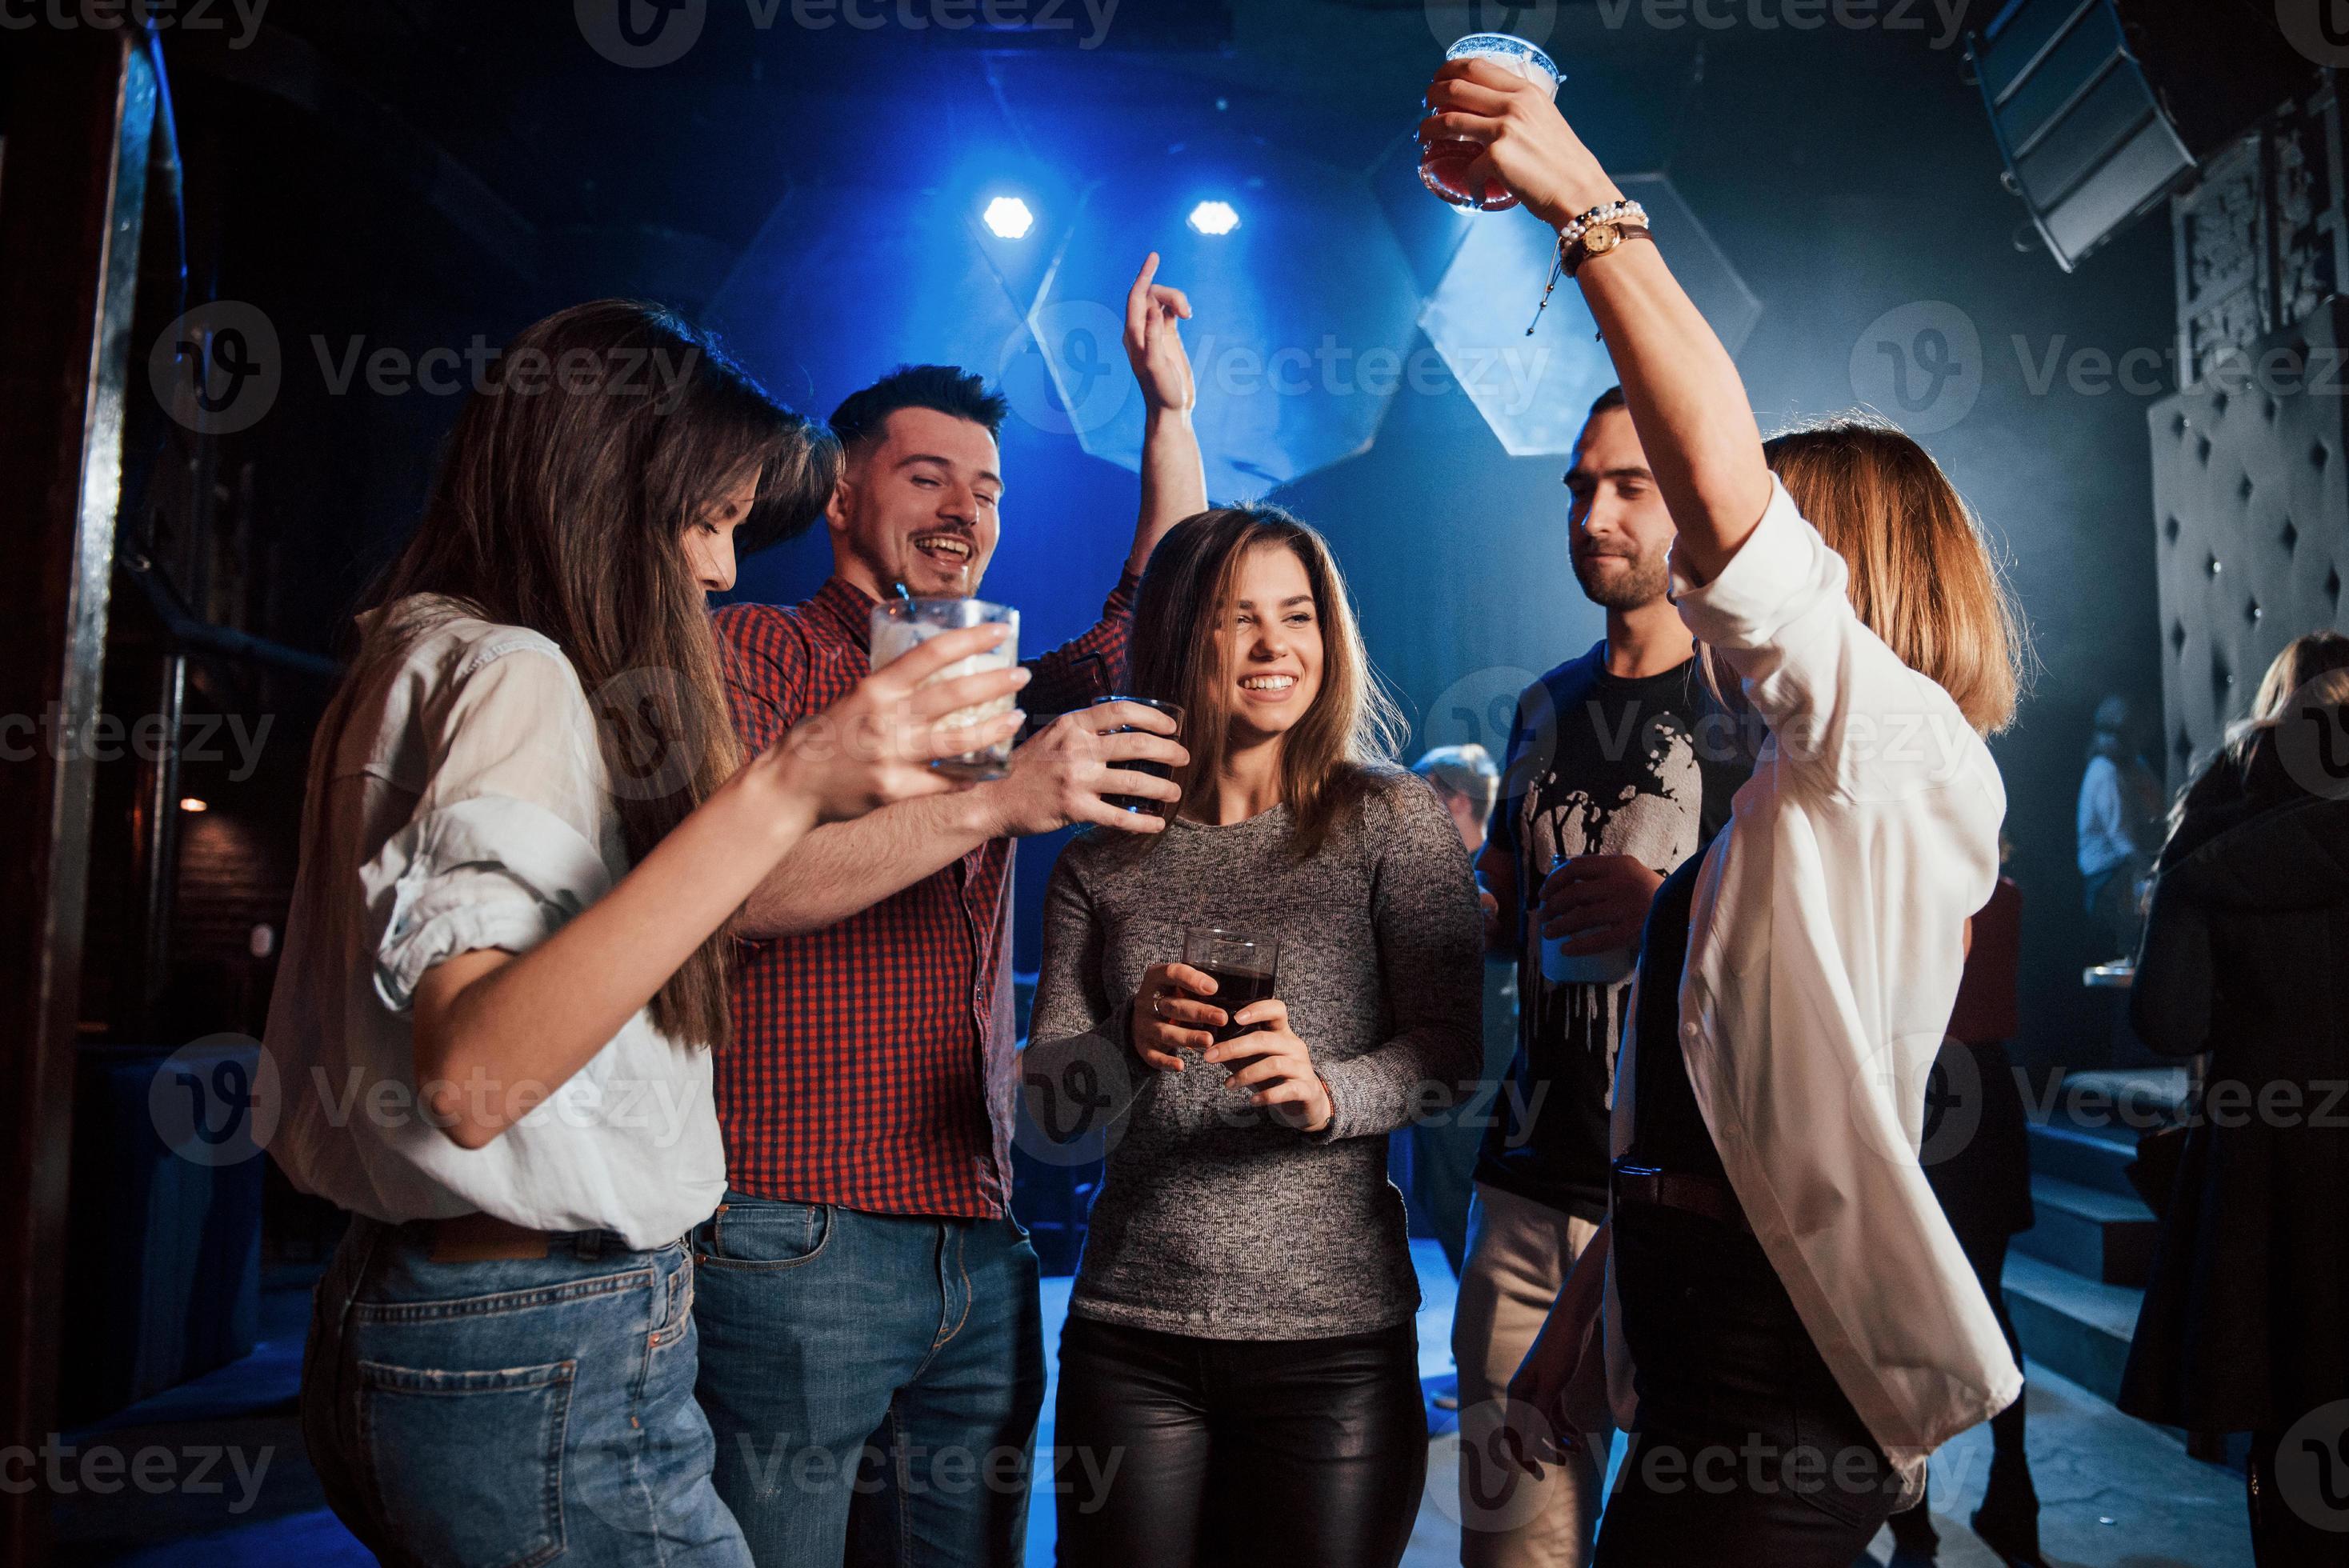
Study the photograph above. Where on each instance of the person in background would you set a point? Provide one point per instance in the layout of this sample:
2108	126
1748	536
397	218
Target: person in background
2241	1329
2120	820
1241	1343
501	912
1444	1148
1612	779
1786	1285
868	1304
1976	1153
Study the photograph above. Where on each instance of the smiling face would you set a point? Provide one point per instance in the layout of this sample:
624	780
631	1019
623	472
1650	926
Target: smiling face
1271	635
918	505
1619	532
709	538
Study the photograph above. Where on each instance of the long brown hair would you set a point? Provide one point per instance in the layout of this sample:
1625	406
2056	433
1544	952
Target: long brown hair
1922	576
1349	734
562	504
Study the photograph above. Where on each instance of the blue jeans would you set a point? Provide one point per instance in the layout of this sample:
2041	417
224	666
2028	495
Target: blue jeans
873	1381
515	1411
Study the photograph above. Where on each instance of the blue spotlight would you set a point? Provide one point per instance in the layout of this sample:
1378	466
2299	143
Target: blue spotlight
1008	218
1214	218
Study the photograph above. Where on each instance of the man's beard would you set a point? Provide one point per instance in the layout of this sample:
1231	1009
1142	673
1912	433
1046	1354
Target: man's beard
1644	580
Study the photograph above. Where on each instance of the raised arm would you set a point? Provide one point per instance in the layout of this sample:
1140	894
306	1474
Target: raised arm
519	966
1174	481
1678	383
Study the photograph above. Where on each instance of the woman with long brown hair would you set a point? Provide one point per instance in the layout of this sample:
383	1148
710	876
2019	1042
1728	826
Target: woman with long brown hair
1239	1375
1804	1323
526	826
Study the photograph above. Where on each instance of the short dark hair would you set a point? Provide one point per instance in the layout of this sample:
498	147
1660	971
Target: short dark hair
948	389
1610	398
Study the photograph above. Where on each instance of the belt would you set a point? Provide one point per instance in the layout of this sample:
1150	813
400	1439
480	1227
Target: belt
1704	1195
484	1238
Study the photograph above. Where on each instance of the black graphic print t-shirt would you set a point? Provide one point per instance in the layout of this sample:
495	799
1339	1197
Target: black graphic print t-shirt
1596	765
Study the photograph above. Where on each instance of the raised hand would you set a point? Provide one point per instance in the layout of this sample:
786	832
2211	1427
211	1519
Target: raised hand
1529	146
1153	342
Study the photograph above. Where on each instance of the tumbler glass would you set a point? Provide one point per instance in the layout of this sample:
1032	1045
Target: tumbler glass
1443	165
1242	966
1143	764
901	624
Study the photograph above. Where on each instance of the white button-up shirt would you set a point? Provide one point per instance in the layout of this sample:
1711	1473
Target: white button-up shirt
456	801
1826	943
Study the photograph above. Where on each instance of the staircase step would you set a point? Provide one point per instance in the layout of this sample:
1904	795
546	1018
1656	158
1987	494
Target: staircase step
2090	1160
2080	1327
2098	1234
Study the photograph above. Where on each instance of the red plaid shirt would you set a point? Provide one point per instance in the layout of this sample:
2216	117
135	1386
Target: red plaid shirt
872	1063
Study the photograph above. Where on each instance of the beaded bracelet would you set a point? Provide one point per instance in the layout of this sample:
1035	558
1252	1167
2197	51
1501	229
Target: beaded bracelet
1627	215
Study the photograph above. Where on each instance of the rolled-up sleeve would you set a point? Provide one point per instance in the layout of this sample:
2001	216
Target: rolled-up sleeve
500	851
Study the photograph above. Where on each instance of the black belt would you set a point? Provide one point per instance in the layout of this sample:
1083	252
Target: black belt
1705	1195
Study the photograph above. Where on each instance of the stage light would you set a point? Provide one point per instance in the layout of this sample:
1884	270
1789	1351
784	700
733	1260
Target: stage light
1008	218
190	803
1214	218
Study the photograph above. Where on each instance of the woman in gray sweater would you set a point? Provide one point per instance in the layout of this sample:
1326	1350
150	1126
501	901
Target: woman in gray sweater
1240	1372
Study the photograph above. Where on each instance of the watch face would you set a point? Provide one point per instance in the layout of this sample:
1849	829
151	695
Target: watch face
1600	238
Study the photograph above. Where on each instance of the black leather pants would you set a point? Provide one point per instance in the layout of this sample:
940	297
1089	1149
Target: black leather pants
1303	1453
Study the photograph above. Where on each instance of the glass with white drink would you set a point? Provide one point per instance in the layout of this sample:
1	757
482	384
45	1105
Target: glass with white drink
900	626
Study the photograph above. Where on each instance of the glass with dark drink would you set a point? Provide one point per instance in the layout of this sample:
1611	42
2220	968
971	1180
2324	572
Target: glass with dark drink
1242	966
1143	764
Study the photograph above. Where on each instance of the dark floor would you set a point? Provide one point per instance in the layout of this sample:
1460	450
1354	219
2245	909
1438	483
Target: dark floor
214	1472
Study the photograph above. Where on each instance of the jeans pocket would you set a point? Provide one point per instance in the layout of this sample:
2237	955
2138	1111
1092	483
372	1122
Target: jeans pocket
467	1467
1836	1468
759	1235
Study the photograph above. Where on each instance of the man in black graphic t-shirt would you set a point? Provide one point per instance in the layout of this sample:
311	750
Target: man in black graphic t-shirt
1616	772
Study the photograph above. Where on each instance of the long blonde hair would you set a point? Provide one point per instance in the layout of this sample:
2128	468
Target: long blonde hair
1922	576
1353	728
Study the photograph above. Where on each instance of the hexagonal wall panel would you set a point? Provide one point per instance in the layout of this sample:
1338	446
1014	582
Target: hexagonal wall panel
1535	390
1303	314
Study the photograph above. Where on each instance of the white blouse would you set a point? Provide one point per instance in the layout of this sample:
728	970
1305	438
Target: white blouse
1826	943
456	801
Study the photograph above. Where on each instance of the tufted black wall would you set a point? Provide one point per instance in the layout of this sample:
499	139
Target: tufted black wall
2250	492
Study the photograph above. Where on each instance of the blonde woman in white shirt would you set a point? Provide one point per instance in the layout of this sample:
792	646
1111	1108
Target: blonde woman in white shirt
1802	1327
527	829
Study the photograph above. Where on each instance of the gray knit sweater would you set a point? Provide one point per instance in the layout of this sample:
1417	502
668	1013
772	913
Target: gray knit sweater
1215	1220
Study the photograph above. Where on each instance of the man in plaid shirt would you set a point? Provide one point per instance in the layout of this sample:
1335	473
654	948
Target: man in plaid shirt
872	1356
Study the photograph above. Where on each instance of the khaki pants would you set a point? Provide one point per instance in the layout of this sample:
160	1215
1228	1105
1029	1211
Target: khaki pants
1519	1252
